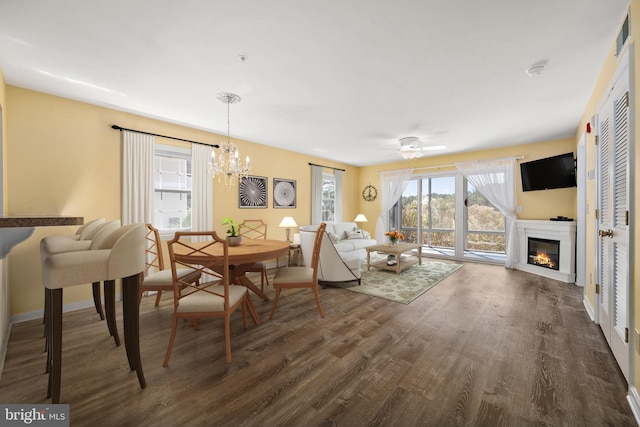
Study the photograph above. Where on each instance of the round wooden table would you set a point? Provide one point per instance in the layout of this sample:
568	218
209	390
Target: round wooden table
242	257
248	253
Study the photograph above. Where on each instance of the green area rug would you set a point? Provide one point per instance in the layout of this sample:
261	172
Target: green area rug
403	288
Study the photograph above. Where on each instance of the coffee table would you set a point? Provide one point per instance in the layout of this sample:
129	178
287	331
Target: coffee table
401	264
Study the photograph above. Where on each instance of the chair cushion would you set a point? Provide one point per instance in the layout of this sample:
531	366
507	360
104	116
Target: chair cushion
165	278
293	275
202	302
345	246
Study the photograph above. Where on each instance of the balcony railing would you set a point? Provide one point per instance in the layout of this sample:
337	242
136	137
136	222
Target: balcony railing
477	240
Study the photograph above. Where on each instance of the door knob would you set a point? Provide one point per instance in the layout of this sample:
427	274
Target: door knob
608	233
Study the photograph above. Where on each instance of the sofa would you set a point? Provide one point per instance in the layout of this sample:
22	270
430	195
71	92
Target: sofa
341	253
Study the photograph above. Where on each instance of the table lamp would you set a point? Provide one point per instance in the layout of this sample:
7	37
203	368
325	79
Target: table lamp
288	222
360	218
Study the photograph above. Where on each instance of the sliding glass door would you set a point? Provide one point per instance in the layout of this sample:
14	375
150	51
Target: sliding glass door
485	225
426	212
449	218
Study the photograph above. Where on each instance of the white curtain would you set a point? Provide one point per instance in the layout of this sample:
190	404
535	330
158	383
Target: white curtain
338	196
137	177
496	180
201	189
316	194
392	184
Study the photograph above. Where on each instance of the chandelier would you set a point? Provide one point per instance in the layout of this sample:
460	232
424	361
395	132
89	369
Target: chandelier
228	165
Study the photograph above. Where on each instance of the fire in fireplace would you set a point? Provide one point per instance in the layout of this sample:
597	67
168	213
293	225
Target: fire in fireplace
544	253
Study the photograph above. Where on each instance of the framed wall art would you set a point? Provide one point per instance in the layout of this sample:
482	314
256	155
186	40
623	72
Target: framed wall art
252	192
284	193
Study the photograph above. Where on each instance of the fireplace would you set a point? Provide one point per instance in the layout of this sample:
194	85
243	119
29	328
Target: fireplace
544	253
547	248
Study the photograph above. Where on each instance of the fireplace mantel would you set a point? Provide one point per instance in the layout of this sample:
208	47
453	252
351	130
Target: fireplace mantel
563	231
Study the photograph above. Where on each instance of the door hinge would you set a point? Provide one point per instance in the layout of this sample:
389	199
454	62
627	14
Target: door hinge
626	99
626	334
597	140
598	288
626	217
596	213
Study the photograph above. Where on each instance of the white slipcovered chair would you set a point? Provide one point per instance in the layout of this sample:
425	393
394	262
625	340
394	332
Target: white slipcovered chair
333	266
111	256
62	244
85	233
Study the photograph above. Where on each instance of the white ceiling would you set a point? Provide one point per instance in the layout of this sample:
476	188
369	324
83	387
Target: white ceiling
337	79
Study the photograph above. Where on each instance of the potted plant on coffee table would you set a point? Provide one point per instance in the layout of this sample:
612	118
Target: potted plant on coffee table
233	232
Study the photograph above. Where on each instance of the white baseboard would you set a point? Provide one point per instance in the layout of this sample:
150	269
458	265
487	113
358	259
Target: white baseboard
634	401
589	309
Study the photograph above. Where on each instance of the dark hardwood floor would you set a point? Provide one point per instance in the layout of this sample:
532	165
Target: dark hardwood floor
486	347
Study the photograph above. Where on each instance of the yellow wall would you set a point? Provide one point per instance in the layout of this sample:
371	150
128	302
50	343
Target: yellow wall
535	204
3	104
65	159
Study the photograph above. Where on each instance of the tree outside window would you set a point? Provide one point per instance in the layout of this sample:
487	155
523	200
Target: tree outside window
172	178
328	197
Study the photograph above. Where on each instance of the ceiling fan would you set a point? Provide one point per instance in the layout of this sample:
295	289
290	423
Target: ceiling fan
411	147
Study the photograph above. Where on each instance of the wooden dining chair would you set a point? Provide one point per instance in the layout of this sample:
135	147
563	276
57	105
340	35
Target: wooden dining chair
301	277
256	229
156	278
216	298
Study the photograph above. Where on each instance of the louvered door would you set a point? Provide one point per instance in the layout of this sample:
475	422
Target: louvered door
613	217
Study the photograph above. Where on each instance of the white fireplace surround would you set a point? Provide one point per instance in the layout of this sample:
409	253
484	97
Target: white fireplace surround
564	231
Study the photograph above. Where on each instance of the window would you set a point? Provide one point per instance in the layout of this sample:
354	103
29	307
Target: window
172	177
623	36
328	197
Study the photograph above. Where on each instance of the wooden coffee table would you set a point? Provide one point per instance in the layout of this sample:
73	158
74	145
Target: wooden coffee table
401	264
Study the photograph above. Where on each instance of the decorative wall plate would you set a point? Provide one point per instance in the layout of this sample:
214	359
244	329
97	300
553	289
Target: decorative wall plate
369	193
252	192
284	193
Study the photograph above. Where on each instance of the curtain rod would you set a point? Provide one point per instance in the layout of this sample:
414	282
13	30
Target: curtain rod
116	127
328	167
453	164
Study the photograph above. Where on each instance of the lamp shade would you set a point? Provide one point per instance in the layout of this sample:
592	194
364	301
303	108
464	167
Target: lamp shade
360	218
287	222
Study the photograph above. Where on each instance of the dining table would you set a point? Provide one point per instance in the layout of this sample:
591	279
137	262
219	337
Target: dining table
243	257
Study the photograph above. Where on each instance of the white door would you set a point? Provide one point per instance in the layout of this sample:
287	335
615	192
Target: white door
613	216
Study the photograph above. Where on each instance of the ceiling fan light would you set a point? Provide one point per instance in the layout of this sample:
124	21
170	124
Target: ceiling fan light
410	154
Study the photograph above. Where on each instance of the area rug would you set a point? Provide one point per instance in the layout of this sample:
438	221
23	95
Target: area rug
403	288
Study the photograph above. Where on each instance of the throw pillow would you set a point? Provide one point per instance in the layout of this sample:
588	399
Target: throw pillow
357	234
365	233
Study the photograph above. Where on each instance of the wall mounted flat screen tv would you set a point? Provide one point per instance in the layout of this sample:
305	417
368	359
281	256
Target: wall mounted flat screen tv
549	173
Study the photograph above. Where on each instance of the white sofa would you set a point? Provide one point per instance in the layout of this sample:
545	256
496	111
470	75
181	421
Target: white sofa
341	252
